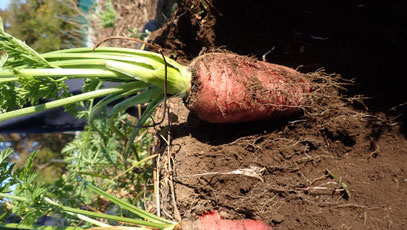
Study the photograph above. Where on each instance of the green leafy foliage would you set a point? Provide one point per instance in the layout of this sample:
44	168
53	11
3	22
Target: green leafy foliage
107	15
93	152
64	191
5	169
26	187
99	155
19	51
3	57
8	97
94	159
81	109
36	23
48	162
91	84
29	90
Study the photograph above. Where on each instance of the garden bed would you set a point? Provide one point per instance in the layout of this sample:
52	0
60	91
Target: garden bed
342	166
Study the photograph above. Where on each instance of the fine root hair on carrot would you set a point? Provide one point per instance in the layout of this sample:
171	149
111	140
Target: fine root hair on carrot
327	93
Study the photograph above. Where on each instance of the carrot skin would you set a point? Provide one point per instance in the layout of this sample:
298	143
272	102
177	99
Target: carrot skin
228	88
215	221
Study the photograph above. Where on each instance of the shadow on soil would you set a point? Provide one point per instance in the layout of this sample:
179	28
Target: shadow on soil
218	134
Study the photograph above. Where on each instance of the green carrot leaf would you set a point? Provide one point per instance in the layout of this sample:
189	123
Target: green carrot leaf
28	193
91	84
19	51
4	154
31	90
9	100
3	58
15	55
5	169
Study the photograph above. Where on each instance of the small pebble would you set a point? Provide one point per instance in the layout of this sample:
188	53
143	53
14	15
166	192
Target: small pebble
277	218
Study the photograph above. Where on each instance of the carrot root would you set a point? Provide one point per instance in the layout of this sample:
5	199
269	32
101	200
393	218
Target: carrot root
228	88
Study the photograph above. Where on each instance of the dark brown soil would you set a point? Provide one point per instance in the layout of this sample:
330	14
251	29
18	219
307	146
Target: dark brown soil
340	166
283	170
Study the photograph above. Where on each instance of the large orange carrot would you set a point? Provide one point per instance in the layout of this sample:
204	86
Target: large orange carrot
230	88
